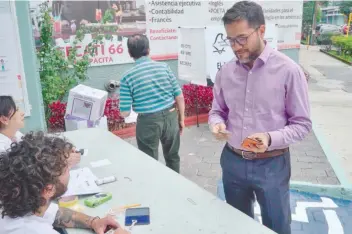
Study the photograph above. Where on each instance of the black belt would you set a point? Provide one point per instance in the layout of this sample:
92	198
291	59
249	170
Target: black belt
251	155
167	110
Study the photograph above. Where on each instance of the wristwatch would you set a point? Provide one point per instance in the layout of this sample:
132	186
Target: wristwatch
269	142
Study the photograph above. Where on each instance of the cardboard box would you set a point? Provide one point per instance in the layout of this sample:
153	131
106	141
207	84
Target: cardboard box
86	103
74	123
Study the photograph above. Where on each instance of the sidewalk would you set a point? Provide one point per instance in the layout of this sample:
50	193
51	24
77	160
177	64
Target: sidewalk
331	106
200	159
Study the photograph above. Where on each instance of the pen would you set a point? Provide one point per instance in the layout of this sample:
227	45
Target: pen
131	206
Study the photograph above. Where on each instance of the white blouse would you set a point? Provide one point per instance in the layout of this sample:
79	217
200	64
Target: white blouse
5	142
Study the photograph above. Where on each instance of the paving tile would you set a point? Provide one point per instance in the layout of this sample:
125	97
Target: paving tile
212	182
309	159
216	166
201	166
328	180
313	172
209	173
300	165
211	160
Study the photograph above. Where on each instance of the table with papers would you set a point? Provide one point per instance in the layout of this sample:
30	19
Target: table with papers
177	205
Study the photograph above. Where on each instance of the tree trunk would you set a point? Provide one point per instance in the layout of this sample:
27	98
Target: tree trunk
314	25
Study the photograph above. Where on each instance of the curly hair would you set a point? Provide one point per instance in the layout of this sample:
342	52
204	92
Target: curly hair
27	168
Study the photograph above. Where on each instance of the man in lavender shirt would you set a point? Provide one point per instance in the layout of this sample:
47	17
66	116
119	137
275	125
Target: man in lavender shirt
261	94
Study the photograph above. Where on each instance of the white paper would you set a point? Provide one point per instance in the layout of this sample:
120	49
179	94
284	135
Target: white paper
82	182
102	123
100	163
132	118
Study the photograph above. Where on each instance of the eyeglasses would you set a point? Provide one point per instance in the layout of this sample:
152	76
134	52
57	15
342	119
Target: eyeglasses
240	40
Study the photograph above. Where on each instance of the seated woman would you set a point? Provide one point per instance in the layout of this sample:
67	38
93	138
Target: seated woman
12	121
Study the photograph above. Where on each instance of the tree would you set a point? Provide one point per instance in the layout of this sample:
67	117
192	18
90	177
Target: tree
308	14
345	7
307	21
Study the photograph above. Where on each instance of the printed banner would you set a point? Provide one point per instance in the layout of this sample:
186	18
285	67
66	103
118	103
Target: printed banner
218	52
157	19
12	76
203	51
191	58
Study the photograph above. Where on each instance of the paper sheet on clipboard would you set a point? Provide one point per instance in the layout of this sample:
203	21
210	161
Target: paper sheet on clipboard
82	182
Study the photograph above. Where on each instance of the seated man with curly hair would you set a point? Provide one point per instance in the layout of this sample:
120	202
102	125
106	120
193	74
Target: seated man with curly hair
34	172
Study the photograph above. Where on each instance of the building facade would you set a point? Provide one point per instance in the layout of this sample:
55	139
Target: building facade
99	75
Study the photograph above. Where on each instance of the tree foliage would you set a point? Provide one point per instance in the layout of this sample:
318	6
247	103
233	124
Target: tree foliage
345	7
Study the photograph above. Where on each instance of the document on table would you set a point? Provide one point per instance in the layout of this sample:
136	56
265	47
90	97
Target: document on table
100	163
82	182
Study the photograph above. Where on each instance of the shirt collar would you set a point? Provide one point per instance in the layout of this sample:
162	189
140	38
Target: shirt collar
264	56
142	59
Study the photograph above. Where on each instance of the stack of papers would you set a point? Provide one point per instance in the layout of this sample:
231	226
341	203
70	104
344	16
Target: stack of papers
82	182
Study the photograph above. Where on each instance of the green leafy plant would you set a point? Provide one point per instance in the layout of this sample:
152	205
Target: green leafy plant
59	74
326	40
109	16
344	46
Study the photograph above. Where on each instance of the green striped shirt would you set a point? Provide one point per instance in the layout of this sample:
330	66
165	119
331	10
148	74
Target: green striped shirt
148	87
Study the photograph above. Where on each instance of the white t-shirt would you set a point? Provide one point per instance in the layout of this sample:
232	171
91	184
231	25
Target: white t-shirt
6	142
30	224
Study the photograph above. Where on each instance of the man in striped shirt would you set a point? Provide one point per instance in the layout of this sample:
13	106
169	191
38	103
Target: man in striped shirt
152	90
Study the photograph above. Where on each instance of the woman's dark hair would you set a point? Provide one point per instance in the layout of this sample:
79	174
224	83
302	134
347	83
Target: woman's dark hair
7	107
245	10
138	46
27	168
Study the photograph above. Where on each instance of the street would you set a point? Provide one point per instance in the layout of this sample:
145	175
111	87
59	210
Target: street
330	91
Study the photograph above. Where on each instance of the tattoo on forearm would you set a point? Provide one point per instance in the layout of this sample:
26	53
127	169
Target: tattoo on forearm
67	218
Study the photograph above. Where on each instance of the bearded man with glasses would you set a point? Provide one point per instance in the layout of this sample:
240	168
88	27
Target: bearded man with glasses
260	97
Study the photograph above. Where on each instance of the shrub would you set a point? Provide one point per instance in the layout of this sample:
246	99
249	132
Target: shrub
193	92
344	44
56	120
326	40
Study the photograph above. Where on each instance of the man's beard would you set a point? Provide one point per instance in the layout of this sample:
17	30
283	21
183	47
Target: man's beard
60	190
253	55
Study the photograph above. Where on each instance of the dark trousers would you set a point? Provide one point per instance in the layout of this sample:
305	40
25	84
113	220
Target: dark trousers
267	180
161	126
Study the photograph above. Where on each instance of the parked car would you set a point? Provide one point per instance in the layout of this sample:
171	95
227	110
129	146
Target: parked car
323	32
327	28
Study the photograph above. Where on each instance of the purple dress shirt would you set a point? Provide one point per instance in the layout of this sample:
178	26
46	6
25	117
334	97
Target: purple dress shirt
271	97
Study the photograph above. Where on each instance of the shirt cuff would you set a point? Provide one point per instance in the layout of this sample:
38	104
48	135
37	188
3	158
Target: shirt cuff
277	139
215	120
177	93
125	109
